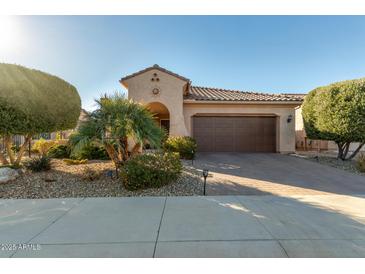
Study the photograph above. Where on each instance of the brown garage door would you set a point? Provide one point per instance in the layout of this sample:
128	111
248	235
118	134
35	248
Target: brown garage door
235	134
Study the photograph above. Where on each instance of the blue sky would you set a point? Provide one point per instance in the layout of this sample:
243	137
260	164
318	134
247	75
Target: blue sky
291	54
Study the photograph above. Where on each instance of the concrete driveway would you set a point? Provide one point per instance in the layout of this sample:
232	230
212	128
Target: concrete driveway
212	226
282	175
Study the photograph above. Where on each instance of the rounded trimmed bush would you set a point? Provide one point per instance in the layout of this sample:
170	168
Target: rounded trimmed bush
184	145
91	152
59	151
32	101
150	170
337	113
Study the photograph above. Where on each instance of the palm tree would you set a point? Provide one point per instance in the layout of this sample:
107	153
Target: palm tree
114	124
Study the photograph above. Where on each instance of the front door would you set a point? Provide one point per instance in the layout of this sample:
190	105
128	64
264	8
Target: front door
165	124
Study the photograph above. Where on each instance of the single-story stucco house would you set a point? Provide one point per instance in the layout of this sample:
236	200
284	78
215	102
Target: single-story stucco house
220	120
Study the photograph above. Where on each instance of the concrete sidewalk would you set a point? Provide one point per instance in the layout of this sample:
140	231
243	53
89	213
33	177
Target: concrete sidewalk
222	226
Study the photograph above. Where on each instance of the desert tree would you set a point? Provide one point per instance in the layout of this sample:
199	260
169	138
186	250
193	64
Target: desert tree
337	113
33	102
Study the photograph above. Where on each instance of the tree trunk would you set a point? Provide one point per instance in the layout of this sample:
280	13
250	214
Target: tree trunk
136	149
8	143
340	150
347	146
356	151
124	146
3	159
113	155
120	154
23	148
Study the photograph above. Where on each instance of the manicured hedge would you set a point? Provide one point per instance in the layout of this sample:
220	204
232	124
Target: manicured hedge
336	112
184	145
90	151
32	101
150	170
59	151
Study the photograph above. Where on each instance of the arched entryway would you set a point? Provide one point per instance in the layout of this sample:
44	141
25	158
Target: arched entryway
161	114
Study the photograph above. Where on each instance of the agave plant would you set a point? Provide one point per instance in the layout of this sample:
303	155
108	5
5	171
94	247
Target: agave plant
116	124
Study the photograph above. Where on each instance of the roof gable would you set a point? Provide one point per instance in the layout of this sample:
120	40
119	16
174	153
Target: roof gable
151	68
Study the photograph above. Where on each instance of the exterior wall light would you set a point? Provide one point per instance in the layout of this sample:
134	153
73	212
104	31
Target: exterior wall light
290	118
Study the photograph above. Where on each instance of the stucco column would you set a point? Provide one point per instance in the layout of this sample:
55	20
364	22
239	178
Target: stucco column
177	125
287	132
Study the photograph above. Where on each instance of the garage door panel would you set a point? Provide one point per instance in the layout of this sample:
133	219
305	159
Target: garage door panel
204	131
205	143
224	122
204	122
226	132
224	144
235	134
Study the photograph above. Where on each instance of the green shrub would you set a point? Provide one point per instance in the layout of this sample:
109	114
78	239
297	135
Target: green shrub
74	162
150	170
32	101
42	146
360	162
59	151
91	152
184	145
336	113
38	164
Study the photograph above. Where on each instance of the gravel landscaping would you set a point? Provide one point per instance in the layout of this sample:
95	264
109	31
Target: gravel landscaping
330	160
66	181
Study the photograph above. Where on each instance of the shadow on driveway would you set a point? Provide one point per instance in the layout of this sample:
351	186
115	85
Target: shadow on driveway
262	173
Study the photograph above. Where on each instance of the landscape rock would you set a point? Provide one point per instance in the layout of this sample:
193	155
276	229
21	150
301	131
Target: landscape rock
64	181
8	174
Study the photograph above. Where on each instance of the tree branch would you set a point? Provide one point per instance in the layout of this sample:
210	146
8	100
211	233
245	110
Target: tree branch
347	146
3	159
27	137
9	151
113	155
136	149
356	151
340	150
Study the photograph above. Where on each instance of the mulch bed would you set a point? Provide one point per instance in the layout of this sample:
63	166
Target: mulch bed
66	181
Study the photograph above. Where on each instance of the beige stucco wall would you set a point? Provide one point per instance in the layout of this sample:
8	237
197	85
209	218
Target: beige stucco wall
285	131
171	95
181	112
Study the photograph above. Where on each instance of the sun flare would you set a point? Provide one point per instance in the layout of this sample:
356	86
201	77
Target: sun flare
9	36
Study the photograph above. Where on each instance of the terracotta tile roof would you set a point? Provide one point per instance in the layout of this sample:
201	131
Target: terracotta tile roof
215	94
158	68
300	95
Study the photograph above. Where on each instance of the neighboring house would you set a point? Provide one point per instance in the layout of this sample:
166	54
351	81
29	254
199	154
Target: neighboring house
220	120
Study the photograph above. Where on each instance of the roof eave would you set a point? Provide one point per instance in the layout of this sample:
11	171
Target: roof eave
191	101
